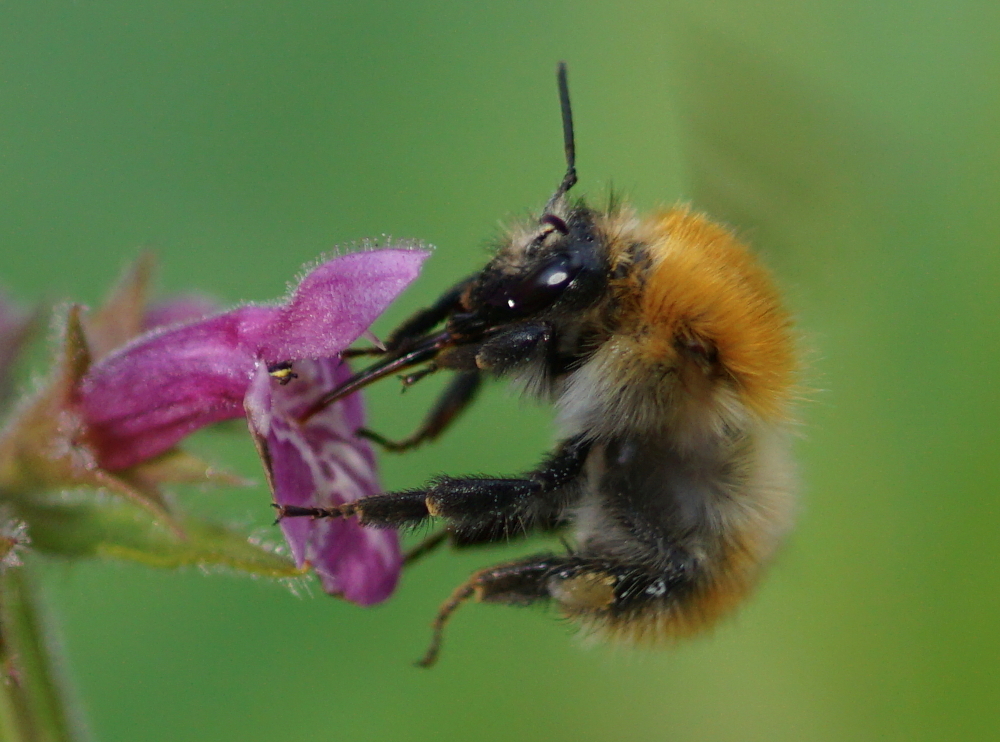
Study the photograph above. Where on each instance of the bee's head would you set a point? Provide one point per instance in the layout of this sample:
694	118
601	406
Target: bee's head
542	273
554	267
550	266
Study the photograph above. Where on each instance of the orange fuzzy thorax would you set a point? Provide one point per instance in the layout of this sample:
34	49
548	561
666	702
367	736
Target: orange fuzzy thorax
705	284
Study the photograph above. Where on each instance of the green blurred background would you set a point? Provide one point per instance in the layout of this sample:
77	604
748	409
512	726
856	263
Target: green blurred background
856	144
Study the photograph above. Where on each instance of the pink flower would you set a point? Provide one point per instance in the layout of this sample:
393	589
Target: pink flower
321	463
143	398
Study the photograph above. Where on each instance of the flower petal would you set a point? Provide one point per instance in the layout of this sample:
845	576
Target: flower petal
322	463
141	400
336	302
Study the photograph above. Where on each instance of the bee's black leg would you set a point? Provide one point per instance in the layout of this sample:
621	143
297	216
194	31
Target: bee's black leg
424	320
524	579
508	350
594	585
480	505
482	508
418	324
456	397
498	355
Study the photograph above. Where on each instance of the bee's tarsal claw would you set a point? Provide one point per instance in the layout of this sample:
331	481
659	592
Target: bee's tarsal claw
297	511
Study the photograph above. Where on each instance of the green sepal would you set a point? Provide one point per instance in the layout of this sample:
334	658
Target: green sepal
118	530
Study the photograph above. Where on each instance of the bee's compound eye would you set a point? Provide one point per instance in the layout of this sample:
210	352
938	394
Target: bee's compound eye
524	295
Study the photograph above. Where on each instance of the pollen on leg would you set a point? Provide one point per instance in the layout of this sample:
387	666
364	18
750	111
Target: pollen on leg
587	591
432	509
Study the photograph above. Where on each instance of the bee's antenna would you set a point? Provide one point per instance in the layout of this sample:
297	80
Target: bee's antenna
569	143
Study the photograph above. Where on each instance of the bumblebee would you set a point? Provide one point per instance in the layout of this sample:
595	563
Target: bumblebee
665	349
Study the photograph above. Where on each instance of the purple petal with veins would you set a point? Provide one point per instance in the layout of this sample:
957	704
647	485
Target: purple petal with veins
321	463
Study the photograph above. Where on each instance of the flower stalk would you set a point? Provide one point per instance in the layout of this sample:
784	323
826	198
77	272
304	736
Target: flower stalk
33	699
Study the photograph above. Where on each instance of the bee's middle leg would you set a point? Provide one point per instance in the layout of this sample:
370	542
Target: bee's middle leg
458	395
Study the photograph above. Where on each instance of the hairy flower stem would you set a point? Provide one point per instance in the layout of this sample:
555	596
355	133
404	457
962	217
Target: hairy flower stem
33	704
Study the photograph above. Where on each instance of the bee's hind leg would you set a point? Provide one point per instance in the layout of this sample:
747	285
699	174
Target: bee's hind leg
593	586
516	583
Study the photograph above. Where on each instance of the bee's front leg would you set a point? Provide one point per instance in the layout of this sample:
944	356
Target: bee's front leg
424	320
473	504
